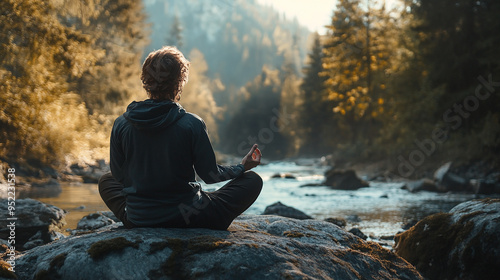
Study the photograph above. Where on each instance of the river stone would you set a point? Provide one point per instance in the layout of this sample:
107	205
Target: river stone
449	181
94	221
421	185
254	247
37	223
337	221
283	210
344	180
461	244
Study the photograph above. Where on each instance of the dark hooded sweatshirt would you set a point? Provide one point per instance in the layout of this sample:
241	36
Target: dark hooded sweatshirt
156	146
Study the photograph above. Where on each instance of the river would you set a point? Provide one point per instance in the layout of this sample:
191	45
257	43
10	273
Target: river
382	209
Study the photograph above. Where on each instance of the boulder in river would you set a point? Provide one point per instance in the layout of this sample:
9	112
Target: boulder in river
344	180
358	233
95	221
421	185
337	221
254	247
36	223
449	181
283	210
461	244
283	175
90	173
488	186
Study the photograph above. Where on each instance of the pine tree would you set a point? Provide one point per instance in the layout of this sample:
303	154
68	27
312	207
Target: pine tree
259	118
291	100
357	64
315	114
175	36
345	60
449	51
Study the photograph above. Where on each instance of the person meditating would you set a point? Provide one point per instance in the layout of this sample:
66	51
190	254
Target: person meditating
155	149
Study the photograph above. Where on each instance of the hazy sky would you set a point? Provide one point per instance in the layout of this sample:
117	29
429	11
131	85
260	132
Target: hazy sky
314	14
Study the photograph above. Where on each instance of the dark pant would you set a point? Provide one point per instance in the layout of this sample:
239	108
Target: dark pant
215	211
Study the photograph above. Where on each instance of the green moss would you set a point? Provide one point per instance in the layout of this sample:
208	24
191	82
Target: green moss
102	248
470	216
181	249
53	272
385	257
295	234
206	243
427	245
490	200
157	246
252	245
290	233
58	261
258	231
5	272
42	275
311	228
169	267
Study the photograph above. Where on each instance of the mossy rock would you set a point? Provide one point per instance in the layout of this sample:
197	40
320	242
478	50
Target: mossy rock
461	244
5	271
102	248
254	247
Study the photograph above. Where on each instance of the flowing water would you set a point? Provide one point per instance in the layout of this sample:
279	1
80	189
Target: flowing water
379	210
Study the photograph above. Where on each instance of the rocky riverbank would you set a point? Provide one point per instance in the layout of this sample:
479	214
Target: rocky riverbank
46	182
254	247
475	178
461	244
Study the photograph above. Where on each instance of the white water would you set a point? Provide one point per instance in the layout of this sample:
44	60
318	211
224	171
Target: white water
383	207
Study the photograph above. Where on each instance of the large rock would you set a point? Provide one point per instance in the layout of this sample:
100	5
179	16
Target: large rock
90	173
461	244
96	220
36	223
254	247
421	185
344	180
449	181
283	210
488	186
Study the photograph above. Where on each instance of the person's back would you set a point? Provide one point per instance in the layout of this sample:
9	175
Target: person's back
155	149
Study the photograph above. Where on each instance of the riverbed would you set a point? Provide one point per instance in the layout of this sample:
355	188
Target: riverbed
379	210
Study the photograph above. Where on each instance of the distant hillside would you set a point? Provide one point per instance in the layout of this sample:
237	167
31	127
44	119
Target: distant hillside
236	37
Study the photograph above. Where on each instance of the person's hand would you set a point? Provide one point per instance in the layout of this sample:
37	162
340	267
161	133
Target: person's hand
252	159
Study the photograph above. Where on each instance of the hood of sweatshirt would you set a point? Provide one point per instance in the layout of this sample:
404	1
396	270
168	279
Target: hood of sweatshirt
153	115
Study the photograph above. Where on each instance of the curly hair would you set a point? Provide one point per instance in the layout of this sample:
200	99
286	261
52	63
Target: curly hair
164	73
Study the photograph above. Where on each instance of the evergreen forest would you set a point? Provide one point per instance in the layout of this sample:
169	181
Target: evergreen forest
419	83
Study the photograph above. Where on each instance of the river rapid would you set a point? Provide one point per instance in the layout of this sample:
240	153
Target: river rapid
379	211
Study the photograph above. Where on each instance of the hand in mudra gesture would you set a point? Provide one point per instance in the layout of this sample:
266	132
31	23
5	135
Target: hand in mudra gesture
252	159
